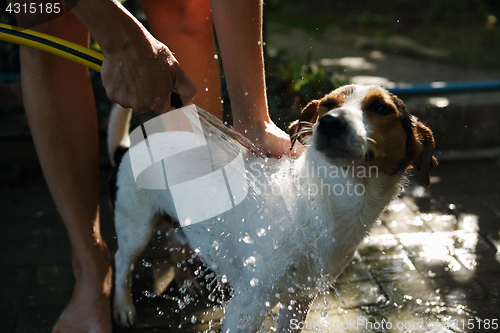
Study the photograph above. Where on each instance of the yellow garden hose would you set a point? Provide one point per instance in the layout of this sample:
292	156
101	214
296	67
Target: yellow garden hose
62	48
51	44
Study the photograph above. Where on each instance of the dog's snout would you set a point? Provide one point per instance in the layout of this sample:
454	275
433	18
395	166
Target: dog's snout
332	125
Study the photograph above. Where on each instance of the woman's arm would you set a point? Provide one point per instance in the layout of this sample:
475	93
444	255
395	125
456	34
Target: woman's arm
138	71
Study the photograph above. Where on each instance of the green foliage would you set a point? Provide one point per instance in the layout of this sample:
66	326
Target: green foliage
292	83
468	28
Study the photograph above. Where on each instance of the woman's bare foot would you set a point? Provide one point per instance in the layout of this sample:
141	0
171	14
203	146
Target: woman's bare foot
89	309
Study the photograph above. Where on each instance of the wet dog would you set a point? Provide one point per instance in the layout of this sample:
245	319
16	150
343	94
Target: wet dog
301	219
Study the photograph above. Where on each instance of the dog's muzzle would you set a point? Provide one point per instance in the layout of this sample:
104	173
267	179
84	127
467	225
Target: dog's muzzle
331	135
332	126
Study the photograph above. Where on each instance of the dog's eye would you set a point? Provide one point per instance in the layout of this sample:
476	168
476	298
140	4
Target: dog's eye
330	105
382	109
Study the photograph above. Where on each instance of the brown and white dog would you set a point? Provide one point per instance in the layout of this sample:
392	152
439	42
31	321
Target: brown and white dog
302	219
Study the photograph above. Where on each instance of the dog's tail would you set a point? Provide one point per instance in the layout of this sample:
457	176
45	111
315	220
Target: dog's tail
118	137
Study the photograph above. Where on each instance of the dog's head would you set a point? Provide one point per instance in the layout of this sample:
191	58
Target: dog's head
367	126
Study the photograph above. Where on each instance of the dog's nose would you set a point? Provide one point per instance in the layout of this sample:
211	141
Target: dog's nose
332	125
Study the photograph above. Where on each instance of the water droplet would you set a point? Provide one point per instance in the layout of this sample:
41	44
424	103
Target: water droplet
246	238
193	319
223	279
291	290
254	282
259	42
206	89
246	93
261	232
216	56
249	260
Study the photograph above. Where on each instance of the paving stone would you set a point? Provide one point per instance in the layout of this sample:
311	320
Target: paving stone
430	253
339	320
377	246
52	286
439	266
379	228
471	242
446	178
479	263
37	319
424	318
402	217
355	271
490	200
407	225
491	283
465	203
476	182
428	244
8	316
439	222
14	284
489	225
412	293
356	294
459	291
393	269
494	238
429	204
485	316
14	280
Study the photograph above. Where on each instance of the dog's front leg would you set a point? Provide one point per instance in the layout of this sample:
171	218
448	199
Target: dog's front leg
293	315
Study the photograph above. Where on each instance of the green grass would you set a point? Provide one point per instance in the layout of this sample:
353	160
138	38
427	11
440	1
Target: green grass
469	29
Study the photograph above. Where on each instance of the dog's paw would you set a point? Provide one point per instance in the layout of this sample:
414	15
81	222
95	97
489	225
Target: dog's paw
124	313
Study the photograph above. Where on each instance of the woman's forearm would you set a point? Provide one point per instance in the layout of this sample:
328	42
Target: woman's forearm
238	25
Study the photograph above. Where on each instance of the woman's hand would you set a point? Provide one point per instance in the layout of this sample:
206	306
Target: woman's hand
143	74
270	138
138	71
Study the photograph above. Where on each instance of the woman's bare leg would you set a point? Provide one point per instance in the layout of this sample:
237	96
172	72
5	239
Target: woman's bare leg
60	108
186	27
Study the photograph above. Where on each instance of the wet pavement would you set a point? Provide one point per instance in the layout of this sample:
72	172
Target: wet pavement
432	260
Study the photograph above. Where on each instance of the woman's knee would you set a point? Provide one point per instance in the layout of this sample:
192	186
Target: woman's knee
63	25
187	17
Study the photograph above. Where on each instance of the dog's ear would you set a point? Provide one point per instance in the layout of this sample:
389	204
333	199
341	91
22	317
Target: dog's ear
308	116
422	151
